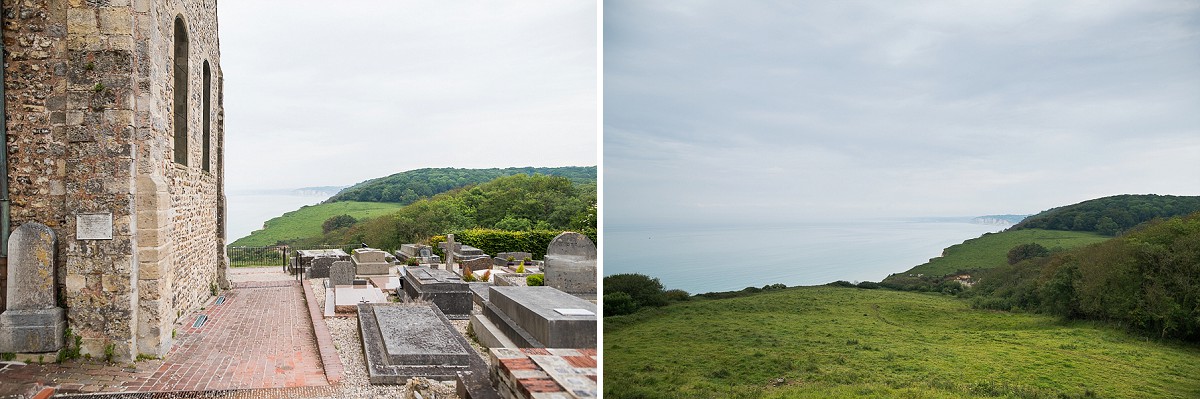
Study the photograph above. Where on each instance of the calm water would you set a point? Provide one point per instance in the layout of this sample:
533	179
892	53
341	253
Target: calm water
706	259
247	212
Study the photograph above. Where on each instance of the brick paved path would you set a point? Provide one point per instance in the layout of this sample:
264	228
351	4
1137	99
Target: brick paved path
260	337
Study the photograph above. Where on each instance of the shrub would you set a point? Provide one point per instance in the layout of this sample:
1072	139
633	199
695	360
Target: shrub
676	295
841	283
412	261
870	285
469	277
521	268
644	290
110	352
619	303
535	280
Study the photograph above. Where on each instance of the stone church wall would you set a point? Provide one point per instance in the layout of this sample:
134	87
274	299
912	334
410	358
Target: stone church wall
89	97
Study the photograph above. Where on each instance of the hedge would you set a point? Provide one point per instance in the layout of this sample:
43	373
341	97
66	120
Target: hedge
493	241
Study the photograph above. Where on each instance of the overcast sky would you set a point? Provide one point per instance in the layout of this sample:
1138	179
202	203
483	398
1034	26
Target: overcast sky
332	93
780	110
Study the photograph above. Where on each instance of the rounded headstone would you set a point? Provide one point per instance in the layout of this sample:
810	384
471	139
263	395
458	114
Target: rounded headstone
572	244
31	268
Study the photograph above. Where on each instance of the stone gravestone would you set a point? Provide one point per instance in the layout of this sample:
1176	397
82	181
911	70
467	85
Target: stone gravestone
319	267
341	273
31	322
450	251
570	264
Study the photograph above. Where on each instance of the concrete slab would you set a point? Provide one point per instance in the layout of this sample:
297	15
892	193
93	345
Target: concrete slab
489	334
347	297
536	310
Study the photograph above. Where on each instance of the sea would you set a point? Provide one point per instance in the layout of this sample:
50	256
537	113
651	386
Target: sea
248	210
700	259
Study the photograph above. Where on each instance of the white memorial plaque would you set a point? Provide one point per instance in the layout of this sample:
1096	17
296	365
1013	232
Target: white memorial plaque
97	226
574	312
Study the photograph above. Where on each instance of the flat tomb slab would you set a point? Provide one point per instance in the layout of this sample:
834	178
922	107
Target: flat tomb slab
415	335
555	318
388	283
405	340
433	280
347	297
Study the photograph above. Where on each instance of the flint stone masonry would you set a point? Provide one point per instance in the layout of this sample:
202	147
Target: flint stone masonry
370	261
443	288
528	317
31	322
405	340
90	90
341	273
571	264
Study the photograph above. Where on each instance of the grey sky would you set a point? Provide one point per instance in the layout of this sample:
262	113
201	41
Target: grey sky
765	110
333	93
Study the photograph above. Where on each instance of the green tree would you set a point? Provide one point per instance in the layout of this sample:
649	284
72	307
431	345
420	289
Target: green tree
1026	251
1107	226
337	222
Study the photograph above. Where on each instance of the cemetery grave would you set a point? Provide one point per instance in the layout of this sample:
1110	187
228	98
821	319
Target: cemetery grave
570	265
443	288
405	340
370	261
31	321
316	261
532	372
533	317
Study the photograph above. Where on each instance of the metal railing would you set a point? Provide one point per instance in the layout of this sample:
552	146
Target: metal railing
258	256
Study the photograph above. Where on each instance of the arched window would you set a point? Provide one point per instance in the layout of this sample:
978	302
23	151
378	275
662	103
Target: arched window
207	126
180	70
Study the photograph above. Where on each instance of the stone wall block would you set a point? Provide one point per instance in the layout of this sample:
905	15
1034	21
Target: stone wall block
116	21
82	22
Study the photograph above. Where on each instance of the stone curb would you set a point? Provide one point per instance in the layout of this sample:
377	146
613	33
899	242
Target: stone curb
329	357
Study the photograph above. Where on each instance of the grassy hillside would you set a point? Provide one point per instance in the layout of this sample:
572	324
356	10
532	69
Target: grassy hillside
511	203
990	250
408	187
838	342
306	221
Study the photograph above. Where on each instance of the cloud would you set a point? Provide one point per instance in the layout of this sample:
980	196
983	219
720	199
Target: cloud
321	94
895	109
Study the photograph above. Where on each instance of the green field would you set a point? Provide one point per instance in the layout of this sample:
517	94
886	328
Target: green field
845	342
991	250
306	222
